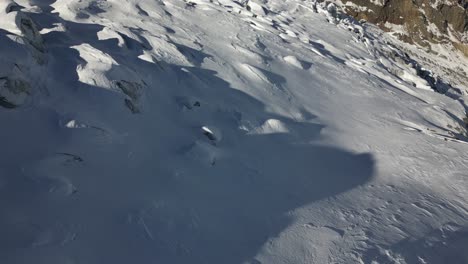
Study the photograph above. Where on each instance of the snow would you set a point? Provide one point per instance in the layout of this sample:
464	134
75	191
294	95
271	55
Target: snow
358	7
272	126
399	29
378	2
434	29
296	62
225	132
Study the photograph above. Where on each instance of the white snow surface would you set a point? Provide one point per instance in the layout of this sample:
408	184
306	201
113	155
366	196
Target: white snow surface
168	131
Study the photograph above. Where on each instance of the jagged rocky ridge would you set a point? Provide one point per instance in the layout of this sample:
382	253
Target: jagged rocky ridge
417	21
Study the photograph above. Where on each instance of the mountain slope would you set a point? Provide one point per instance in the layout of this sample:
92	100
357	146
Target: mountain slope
422	22
222	132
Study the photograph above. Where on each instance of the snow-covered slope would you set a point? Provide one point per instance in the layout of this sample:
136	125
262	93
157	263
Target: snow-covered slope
221	132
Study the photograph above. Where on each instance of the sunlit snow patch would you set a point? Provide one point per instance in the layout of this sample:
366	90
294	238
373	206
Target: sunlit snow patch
271	126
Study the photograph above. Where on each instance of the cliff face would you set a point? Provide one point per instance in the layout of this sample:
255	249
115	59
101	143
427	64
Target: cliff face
417	21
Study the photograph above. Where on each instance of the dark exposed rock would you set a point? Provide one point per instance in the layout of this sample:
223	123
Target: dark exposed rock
131	105
133	91
12	7
30	32
13	92
425	21
5	104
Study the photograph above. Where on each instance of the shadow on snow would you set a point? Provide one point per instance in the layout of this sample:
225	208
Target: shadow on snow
147	194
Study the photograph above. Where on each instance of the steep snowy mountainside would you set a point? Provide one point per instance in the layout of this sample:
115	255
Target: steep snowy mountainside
223	132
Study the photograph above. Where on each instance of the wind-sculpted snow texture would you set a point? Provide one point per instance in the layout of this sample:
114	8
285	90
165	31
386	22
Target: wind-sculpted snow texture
221	132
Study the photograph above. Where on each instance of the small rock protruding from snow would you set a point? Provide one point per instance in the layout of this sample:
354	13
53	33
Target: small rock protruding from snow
187	102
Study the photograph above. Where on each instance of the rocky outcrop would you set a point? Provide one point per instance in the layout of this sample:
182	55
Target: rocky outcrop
22	52
417	21
133	92
13	92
